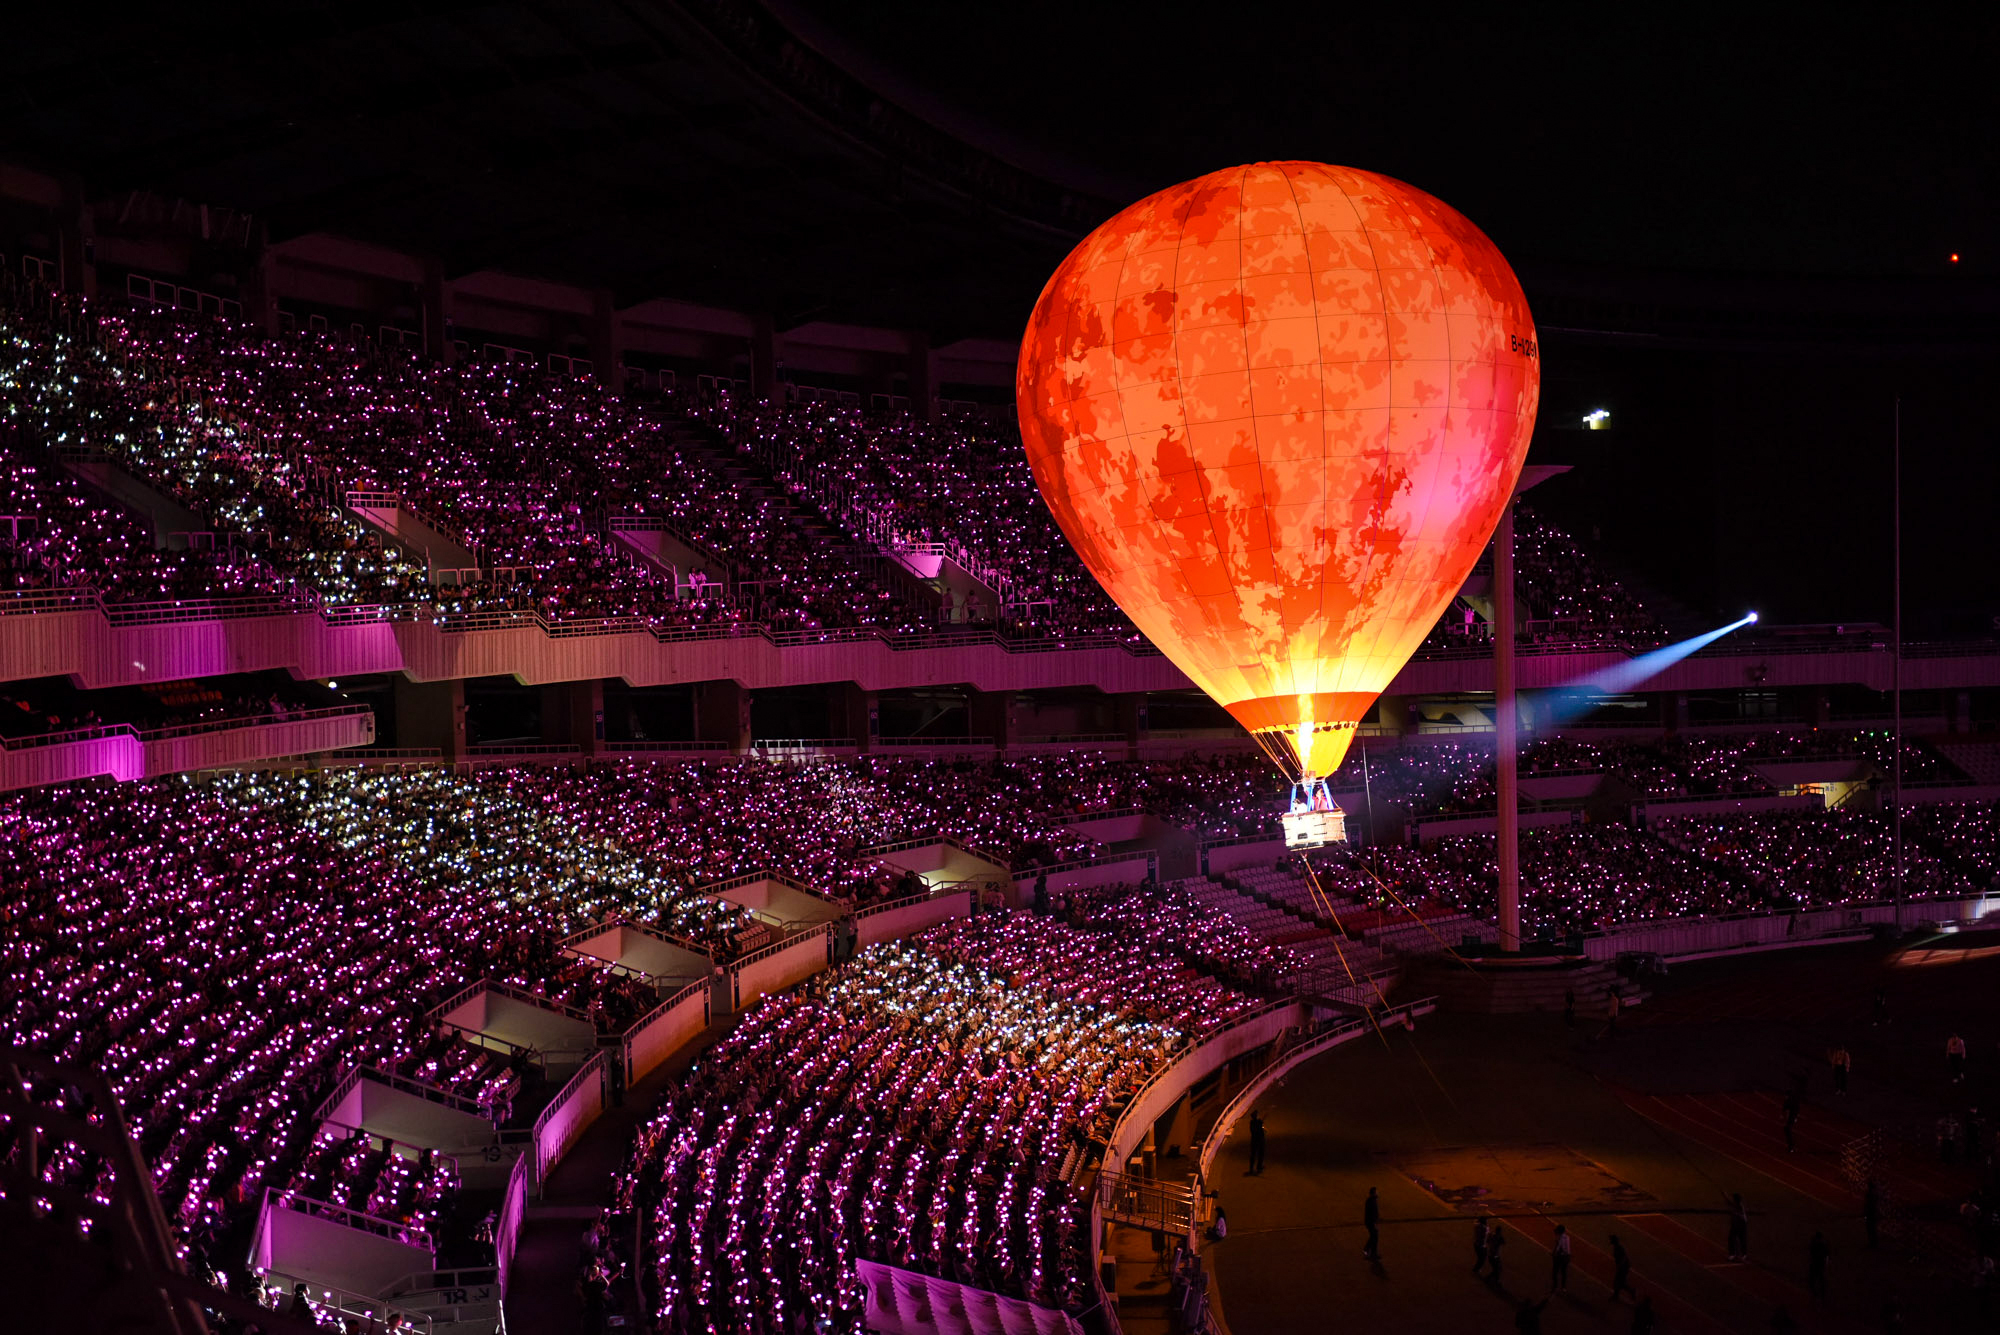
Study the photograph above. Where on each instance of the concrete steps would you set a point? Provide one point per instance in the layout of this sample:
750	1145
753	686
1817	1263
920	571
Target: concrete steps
1514	990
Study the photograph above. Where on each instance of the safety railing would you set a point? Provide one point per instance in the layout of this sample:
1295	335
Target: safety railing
901	902
949	841
354	1075
251	721
785	943
506	990
1146	1202
408	1234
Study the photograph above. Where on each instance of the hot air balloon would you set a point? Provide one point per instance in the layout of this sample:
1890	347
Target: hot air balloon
1278	410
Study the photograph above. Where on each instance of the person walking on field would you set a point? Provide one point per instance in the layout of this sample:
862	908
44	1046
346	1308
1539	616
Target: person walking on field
1621	1270
1954	1056
1256	1143
1739	1229
1371	1216
1613	1005
1843	1066
1493	1247
1559	1260
1481	1231
1644	1319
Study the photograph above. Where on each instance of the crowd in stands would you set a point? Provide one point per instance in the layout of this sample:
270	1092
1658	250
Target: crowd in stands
926	1105
1815	857
221	950
1563	583
1456	774
1170	918
265	437
55	533
962	485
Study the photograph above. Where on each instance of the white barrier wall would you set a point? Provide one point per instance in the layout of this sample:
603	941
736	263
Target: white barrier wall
507	1229
573	1109
324	1252
119	756
86	646
1173	1080
1228	857
663	1032
1449	826
261	741
1698	936
382	1110
1652	813
892	924
776	968
1108	871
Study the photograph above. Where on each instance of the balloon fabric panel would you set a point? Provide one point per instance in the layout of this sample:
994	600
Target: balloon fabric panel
1277	410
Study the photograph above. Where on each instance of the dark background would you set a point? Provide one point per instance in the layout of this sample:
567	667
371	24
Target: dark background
1734	227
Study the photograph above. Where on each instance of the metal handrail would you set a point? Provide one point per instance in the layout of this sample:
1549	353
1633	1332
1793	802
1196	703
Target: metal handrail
251	721
352	1218
699	985
817	929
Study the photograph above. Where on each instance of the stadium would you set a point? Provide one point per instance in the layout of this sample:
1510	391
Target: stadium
750	666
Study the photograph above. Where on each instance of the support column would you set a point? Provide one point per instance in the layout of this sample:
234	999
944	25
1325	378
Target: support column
431	713
260	287
722	714
1131	721
855	714
437	346
76	243
607	341
991	714
923	383
1506	724
764	345
573	714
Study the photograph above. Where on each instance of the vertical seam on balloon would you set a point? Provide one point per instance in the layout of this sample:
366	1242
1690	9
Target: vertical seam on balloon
1430	499
1250	390
1185	206
1319	365
1381	499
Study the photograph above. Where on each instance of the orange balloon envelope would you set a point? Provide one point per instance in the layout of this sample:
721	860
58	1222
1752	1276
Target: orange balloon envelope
1278	410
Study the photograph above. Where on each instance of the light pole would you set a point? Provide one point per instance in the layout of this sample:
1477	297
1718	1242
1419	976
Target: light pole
1896	644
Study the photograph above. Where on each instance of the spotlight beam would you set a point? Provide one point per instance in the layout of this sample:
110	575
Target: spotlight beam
1622	677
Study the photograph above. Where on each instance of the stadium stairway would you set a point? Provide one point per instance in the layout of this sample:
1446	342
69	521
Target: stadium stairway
749	480
1980	761
1462	987
542	1288
1337	969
